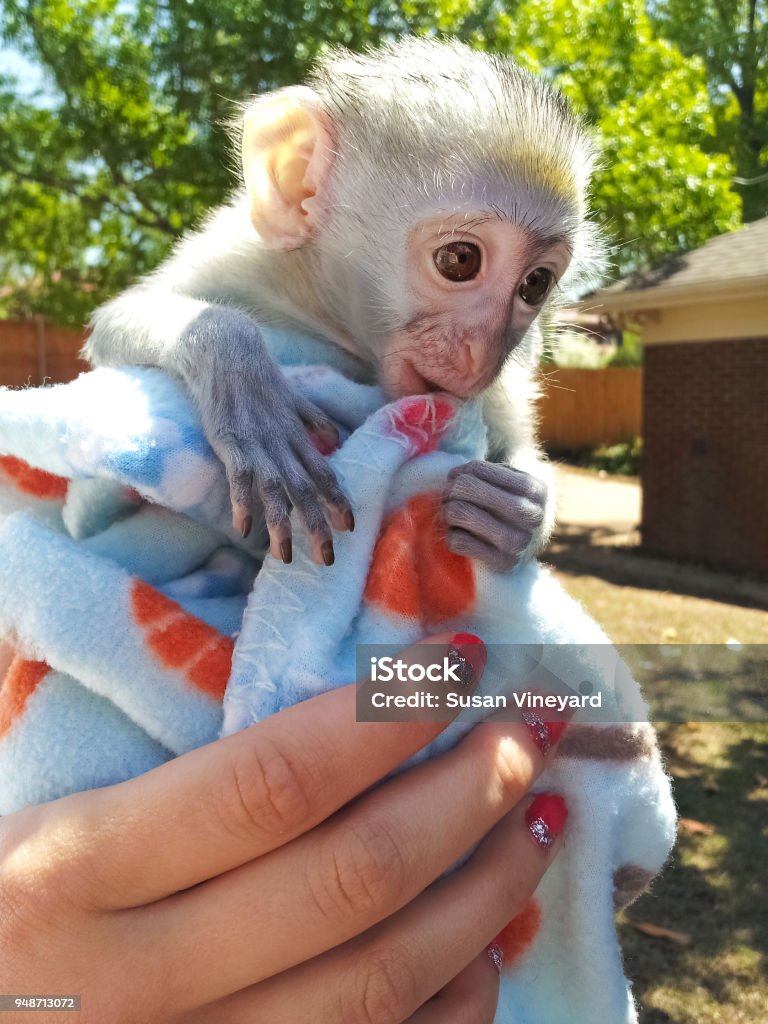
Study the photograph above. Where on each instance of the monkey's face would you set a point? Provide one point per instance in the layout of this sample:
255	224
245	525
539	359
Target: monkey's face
475	286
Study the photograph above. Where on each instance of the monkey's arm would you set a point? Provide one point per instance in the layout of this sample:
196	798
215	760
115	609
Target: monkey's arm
253	420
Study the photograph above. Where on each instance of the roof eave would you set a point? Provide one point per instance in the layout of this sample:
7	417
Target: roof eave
666	296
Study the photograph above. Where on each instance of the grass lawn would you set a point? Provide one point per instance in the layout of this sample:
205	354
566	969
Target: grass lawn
715	887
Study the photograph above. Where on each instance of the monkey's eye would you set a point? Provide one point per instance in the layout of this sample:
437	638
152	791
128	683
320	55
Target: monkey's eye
535	287
458	261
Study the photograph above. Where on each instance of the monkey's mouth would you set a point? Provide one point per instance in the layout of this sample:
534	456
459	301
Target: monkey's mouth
413	382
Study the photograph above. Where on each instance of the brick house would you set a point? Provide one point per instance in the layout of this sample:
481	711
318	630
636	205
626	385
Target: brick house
703	317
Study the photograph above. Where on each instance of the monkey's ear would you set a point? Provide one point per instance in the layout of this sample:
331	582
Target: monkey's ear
287	157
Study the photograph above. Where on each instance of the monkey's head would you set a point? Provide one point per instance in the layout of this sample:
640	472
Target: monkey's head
436	197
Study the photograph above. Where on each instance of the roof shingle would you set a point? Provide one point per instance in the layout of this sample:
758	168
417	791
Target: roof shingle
734	256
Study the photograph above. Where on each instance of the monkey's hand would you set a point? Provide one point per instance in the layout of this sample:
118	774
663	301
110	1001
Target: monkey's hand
494	513
260	429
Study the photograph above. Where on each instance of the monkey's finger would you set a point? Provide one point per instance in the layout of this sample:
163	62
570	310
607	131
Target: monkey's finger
463	515
277	510
317	421
461	542
471	996
505	477
304	496
336	501
508	506
240	480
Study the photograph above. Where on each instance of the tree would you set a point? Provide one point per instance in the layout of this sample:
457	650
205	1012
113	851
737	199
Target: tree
660	188
731	38
125	147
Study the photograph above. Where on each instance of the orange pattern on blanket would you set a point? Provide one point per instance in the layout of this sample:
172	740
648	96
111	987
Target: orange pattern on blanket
22	678
32	481
182	641
518	935
413	573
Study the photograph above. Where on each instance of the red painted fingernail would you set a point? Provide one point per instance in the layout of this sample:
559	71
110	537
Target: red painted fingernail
496	956
245	529
544	734
471	648
326	551
286	550
467	638
546	818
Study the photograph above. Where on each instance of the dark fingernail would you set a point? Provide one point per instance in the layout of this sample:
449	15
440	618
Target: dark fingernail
245	529
326	550
286	550
349	520
496	956
546	818
544	734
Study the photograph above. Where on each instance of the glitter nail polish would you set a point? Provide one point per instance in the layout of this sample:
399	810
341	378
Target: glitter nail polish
496	956
544	734
468	655
546	818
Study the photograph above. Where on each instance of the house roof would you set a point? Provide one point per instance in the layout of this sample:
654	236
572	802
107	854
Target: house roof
735	263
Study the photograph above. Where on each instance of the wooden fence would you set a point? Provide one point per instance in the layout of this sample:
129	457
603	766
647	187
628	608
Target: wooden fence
579	408
33	351
586	408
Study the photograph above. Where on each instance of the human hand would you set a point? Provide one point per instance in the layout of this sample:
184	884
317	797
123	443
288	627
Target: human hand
250	879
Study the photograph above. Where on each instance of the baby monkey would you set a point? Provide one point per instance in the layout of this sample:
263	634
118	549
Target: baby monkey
414	206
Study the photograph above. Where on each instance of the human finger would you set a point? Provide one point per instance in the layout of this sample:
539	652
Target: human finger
469	998
349	873
388	973
218	806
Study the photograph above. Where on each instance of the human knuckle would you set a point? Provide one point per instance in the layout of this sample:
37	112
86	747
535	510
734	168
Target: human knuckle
15	896
361	871
512	775
34	904
267	791
509	771
387	988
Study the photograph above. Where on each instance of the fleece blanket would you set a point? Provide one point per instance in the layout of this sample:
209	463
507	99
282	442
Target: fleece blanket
144	627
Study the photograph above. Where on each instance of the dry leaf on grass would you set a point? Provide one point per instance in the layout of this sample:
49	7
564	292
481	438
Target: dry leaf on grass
657	932
696	827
